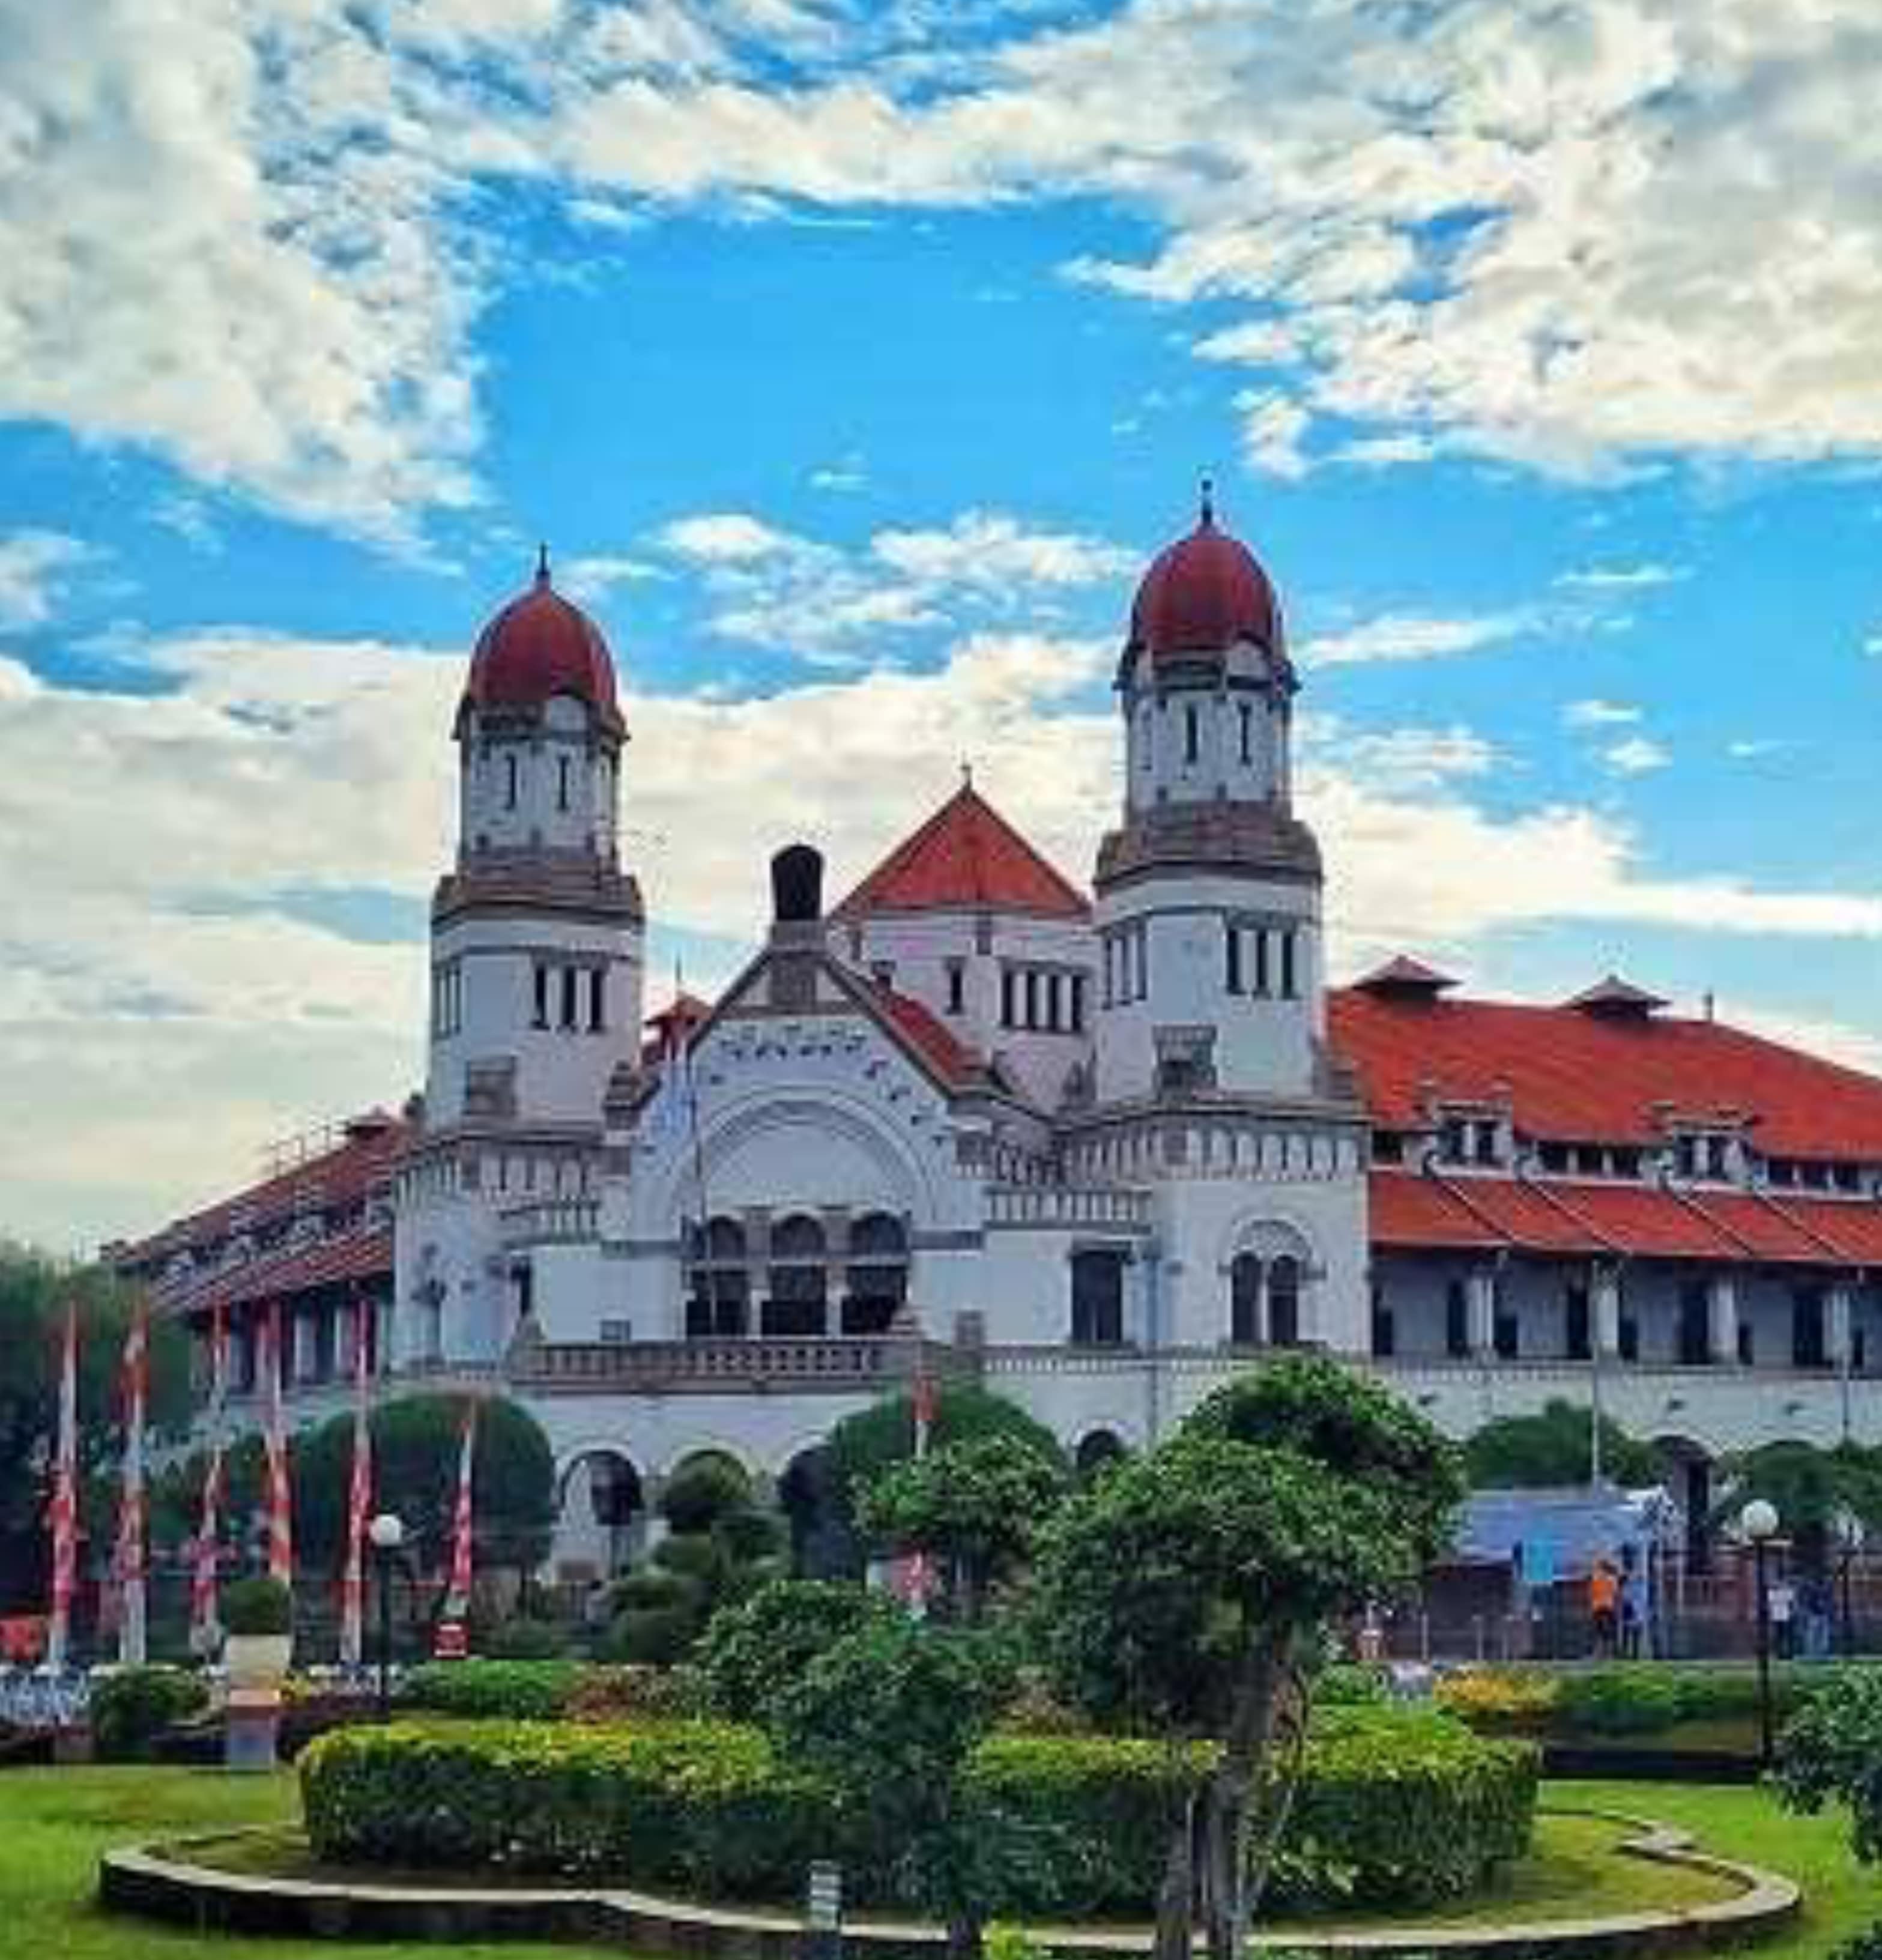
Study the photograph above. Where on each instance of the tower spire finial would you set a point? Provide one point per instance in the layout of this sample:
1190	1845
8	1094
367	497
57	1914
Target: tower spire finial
1207	499
541	565
967	774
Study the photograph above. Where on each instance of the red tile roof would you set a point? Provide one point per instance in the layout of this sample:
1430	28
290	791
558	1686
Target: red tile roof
948	1057
358	1165
538	647
1203	593
354	1259
1573	1076
966	858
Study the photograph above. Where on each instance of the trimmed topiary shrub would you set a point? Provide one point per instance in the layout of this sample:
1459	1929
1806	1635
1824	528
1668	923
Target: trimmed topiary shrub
512	1690
1393	1808
764	1644
257	1607
132	1707
520	1638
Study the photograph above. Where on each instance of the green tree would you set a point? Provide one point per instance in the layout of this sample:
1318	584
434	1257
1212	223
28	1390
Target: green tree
1552	1450
976	1505
1809	1487
862	1446
755	1651
1831	1752
34	1290
721	1546
889	1717
1186	1595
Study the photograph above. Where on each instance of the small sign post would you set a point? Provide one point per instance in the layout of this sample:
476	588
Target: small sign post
823	1913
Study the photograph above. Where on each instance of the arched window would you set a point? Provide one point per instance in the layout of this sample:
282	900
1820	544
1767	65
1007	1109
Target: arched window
718	1293
1096	1454
798	1280
1284	1302
878	1273
1244	1301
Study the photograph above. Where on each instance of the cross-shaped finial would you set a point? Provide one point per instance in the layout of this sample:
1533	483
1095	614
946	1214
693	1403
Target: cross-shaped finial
967	775
1209	502
541	565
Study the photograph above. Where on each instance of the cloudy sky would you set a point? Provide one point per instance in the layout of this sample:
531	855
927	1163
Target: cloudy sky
852	358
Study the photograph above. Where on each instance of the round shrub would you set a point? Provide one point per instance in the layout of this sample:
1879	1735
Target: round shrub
259	1605
522	1639
132	1707
1392	1808
651	1636
703	1492
765	1643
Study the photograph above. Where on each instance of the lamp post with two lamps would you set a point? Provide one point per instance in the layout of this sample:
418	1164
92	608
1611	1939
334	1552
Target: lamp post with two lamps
386	1534
1759	1523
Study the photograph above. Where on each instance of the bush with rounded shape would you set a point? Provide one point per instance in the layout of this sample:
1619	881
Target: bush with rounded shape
520	1637
1392	1809
698	1556
651	1636
700	1493
521	1689
132	1707
764	1643
862	1446
1831	1750
258	1607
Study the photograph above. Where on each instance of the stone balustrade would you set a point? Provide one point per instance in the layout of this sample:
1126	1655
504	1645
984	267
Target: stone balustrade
1071	1207
851	1364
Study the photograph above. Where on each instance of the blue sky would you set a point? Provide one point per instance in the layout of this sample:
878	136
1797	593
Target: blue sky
853	361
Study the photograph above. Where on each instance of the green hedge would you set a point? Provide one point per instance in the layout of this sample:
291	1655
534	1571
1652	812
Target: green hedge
539	1691
132	1706
1393	1808
1632	1698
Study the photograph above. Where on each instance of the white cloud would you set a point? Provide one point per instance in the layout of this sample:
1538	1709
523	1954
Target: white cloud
1622	578
1273	426
1413	636
776	588
1636	756
33	568
596	576
1593	714
842	476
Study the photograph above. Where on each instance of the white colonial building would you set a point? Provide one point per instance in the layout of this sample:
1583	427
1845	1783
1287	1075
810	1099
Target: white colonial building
1095	1152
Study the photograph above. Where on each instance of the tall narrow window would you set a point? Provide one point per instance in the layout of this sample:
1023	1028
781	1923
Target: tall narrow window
1078	1003
561	782
1231	949
569	976
1009	987
1457	1319
541	1017
1284	1302
957	986
1191	735
1054	1002
509	782
1244	1300
597	978
1032	998
1098	1298
1576	1323
1261	960
1245	719
1288	976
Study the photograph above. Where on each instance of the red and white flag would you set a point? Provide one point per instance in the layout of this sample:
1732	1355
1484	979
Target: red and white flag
358	1498
280	1492
133	1623
64	1517
458	1597
204	1618
923	1400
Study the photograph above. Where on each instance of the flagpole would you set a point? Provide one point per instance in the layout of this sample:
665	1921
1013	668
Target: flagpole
359	1502
204	1617
685	1087
280	1491
133	1625
65	1508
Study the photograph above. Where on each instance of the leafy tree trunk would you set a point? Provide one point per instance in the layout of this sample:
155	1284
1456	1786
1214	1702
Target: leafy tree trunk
1176	1898
1244	1760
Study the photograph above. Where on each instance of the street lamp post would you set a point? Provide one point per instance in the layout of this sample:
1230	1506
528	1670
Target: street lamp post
1758	1523
387	1532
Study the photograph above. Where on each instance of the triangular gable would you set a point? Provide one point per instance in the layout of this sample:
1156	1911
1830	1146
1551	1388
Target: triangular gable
966	858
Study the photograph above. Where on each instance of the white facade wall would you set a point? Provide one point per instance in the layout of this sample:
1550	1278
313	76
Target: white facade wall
550	784
1193	738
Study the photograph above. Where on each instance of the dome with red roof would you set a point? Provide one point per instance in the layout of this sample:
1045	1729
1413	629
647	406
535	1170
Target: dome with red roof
539	646
1203	593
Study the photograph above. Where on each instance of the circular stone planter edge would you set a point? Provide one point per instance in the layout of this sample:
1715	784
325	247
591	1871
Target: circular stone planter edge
159	1882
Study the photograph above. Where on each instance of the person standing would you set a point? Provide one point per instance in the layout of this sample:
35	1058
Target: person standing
1604	1608
1781	1597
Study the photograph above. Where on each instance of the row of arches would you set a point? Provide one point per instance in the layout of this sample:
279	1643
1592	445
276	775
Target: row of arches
785	1280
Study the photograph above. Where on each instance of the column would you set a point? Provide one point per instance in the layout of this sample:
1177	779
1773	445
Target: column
1605	1294
1480	1308
1837	1321
1722	1317
303	1346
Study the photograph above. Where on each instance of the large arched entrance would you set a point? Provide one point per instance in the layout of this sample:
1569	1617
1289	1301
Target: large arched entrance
600	1516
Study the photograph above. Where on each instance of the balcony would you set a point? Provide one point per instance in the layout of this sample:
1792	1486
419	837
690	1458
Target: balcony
1049	1206
761	1365
550	1221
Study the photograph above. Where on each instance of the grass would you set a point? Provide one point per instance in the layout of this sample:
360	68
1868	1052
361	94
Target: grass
54	1823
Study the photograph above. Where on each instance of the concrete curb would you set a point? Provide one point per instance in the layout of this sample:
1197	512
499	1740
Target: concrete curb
159	1882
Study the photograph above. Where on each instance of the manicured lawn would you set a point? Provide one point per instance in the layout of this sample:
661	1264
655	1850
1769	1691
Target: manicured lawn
53	1824
1841	1898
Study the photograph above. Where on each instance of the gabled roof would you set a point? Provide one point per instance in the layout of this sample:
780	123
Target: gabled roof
966	858
1572	1075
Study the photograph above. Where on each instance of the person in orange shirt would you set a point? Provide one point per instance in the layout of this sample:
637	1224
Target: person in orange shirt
1604	1596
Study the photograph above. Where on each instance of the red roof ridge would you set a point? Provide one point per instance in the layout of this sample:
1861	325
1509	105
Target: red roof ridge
1692	1203
1796	1223
966	857
1579	1219
1478	1212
